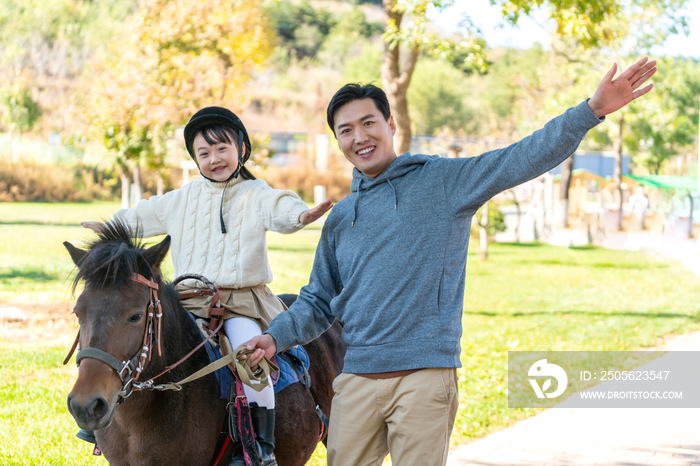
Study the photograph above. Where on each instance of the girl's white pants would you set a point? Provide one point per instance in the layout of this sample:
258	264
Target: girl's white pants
239	330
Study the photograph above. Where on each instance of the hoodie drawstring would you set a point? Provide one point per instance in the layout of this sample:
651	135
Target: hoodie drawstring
357	201
396	200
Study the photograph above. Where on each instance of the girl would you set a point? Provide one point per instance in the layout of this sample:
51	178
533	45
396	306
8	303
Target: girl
218	226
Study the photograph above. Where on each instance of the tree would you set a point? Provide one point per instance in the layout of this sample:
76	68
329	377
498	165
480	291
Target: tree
19	111
439	101
592	23
416	38
56	38
50	42
666	123
651	129
178	56
301	29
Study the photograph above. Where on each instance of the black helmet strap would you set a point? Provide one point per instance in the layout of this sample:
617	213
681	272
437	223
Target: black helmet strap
240	154
221	209
235	175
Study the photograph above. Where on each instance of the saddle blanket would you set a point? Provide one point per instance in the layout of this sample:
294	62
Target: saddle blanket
294	367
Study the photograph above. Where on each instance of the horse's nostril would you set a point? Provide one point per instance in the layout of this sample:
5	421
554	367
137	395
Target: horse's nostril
70	404
98	407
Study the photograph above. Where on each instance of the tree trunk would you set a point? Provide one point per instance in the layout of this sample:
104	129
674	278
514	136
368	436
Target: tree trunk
690	215
617	173
9	133
396	82
399	108
138	190
517	224
125	189
483	233
564	185
698	174
159	184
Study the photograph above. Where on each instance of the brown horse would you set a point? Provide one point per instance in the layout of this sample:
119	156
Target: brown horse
169	427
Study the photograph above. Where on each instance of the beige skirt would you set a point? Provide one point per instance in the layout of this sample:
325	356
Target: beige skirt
257	303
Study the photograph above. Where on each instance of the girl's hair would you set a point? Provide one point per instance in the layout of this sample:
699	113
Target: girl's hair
220	134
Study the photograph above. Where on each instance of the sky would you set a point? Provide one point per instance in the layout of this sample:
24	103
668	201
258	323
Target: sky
528	32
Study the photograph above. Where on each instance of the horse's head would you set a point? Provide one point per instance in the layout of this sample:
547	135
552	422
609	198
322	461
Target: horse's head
113	314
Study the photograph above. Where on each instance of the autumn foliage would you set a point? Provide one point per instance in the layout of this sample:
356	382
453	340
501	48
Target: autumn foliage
176	57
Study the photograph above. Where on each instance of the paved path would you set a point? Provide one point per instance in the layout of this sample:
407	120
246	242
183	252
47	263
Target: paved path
614	437
579	436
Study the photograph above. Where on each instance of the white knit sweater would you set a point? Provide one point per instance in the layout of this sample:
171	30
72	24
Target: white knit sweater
190	215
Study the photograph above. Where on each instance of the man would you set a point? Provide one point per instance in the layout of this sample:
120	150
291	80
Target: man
390	266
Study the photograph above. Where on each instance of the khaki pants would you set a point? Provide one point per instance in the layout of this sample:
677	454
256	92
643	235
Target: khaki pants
410	417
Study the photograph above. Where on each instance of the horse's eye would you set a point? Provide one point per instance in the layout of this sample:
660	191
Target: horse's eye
136	317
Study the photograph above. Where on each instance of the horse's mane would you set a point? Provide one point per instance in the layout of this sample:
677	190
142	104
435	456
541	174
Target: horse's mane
113	257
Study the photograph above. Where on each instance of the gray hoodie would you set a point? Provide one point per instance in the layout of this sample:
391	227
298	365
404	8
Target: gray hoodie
391	261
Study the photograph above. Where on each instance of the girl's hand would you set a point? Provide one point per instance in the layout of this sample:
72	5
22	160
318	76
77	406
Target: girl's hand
94	226
317	212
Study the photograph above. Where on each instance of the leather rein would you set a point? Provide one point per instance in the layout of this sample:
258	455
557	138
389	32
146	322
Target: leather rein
130	370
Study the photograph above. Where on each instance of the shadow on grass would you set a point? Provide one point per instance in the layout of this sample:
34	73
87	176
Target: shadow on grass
664	315
595	265
304	249
588	247
40	223
524	245
29	274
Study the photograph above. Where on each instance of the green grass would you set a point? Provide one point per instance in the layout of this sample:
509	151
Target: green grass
35	424
47	213
540	297
525	297
34	265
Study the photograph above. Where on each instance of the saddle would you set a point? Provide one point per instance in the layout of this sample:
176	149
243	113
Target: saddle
293	365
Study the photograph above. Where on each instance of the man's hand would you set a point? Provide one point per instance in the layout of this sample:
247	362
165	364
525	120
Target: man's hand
613	94
314	214
94	226
264	345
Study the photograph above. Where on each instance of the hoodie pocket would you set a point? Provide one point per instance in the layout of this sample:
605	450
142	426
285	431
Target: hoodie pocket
439	289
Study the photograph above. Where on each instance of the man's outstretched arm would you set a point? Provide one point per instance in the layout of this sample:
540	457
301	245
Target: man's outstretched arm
473	181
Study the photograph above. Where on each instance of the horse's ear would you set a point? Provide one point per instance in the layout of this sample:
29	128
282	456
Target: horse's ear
75	253
155	254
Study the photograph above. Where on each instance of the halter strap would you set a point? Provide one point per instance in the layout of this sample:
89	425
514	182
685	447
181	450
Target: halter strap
138	361
137	277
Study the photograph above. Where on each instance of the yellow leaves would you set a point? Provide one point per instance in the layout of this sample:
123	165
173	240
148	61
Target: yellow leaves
177	56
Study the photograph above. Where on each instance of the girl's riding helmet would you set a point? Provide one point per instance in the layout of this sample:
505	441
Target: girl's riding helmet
218	116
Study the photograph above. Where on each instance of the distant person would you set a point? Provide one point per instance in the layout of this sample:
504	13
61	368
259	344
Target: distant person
390	266
218	227
639	204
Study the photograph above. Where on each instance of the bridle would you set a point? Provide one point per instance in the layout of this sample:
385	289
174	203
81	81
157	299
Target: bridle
153	332
130	370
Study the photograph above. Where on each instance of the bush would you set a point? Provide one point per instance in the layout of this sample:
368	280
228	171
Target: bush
31	182
303	177
496	222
